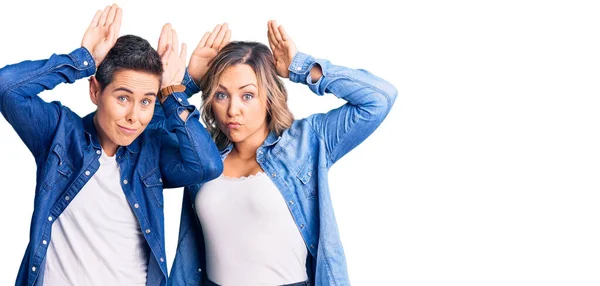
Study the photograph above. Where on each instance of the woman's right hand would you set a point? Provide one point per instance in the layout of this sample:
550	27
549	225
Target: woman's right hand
207	49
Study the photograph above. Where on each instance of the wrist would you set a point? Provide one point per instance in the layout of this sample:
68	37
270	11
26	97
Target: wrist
165	92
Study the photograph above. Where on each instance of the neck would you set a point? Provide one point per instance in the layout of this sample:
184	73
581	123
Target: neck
109	147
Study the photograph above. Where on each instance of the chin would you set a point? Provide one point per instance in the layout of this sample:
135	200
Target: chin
124	141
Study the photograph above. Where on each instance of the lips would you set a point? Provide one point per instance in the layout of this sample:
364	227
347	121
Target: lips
127	131
233	125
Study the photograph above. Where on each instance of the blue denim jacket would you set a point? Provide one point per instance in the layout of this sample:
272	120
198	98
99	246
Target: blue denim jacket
66	151
298	162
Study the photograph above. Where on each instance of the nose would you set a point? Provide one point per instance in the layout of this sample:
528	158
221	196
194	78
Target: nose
132	114
234	107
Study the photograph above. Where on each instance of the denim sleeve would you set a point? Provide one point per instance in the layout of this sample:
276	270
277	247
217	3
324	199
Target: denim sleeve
369	100
191	156
35	120
191	87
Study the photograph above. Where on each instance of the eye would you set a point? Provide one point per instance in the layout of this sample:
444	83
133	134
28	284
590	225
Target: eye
146	102
248	96
220	96
122	98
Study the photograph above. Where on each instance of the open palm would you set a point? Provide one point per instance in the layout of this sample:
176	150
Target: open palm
284	49
210	44
103	32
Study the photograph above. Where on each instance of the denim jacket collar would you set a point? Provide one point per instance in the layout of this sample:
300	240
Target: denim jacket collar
271	140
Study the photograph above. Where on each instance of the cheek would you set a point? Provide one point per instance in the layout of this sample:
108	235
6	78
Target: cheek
146	115
259	111
111	109
219	111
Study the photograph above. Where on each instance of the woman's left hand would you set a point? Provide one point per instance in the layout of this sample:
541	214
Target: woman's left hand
284	49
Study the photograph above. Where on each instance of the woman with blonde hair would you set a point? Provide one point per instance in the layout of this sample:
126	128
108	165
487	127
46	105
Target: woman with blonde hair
268	219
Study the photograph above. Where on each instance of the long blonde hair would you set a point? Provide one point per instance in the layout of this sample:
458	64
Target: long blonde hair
260	59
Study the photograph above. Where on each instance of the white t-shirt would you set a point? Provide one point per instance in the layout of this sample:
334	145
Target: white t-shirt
97	239
250	235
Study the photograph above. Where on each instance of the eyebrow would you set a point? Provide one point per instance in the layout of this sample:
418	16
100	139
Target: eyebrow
241	87
129	91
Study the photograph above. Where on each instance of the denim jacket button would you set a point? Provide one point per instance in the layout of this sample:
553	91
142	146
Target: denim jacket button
85	63
136	205
148	230
67	198
125	182
33	268
50	218
44	242
98	152
162	259
87	173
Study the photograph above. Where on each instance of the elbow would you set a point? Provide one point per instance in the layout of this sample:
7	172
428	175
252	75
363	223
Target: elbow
390	93
380	107
214	168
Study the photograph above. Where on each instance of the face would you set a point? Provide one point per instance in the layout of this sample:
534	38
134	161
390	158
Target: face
125	107
240	112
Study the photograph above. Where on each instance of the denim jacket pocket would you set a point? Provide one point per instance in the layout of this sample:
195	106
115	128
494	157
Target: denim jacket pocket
154	185
57	168
305	175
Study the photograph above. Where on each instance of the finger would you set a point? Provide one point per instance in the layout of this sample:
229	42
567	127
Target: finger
175	43
169	38
94	22
213	35
111	14
103	16
275	30
183	54
221	36
226	40
111	36
203	41
164	57
272	39
116	25
283	34
270	33
162	40
271	46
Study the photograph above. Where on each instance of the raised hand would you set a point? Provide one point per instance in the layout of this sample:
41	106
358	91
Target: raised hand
173	60
103	32
284	49
210	44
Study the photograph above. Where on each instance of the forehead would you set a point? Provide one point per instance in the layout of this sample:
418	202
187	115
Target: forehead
135	81
238	75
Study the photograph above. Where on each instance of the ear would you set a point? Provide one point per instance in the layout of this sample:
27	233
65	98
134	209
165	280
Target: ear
94	90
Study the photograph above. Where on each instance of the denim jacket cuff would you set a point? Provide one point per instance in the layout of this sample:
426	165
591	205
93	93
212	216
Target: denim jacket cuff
300	67
176	102
83	62
191	87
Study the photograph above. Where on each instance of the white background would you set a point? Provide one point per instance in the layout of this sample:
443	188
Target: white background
486	171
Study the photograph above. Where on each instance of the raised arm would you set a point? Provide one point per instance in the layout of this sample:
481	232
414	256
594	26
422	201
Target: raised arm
193	157
33	119
208	47
369	98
